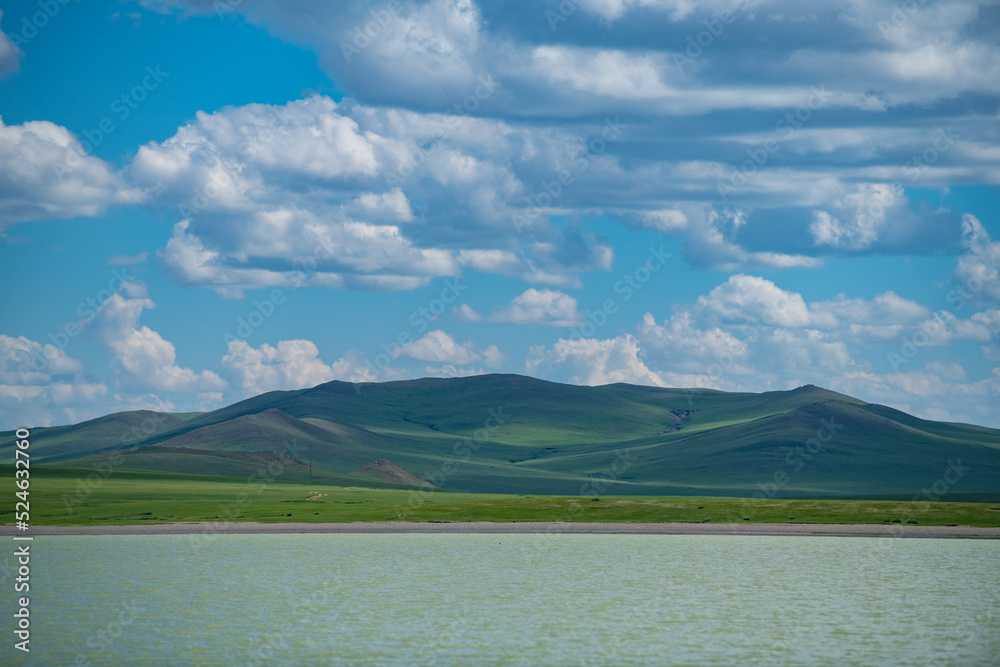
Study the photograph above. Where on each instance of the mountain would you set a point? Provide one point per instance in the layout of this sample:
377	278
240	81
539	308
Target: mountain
515	434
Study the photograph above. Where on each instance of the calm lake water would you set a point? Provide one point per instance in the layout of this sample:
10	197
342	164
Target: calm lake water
511	600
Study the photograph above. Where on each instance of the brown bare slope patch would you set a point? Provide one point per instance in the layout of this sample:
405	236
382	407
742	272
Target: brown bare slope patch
390	472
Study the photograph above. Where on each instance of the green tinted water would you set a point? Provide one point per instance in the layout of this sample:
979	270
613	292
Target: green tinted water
511	600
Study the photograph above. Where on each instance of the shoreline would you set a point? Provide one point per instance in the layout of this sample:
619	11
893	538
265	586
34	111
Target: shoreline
556	528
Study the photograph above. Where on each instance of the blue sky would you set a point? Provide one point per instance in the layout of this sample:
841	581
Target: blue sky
201	201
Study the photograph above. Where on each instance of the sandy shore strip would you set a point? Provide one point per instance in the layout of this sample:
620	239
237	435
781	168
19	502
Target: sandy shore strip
558	528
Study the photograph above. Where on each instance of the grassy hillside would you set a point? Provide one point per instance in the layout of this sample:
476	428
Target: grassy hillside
514	434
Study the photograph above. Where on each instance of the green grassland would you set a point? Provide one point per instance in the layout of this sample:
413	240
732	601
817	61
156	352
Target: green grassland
60	496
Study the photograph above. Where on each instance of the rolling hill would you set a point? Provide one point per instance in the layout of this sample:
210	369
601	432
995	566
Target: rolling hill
515	434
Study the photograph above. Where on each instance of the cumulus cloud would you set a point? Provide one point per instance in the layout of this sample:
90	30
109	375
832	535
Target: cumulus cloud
41	385
977	276
440	347
430	53
461	119
466	313
321	194
141	356
291	364
593	362
540	308
879	217
747	299
713	243
752	302
10	55
45	172
927	393
692	122
866	212
750	334
25	361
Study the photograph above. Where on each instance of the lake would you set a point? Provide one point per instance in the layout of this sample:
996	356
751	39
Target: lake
468	599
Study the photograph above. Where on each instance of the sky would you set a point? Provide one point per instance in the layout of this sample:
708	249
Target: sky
201	201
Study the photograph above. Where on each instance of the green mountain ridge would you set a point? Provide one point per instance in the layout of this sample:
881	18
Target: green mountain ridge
516	434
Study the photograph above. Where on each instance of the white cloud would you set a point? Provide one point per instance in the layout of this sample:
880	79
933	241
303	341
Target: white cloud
46	173
867	212
9	54
540	308
493	356
440	347
41	385
27	362
711	244
465	313
493	261
977	276
282	205
749	300
291	364
927	393
684	348
593	362
886	308
678	143
142	357
667	221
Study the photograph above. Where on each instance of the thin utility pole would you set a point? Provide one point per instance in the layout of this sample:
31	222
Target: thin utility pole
310	459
